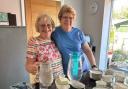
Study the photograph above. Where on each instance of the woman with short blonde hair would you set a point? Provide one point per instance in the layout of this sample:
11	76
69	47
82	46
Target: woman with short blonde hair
66	9
44	16
70	39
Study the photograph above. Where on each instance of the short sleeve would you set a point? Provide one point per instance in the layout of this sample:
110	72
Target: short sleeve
52	36
32	49
82	37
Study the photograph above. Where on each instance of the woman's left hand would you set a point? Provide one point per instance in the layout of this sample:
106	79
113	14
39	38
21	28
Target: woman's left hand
94	67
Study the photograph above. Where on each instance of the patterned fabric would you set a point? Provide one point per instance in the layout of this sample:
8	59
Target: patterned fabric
44	51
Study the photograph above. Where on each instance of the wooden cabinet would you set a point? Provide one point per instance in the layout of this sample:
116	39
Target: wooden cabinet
36	7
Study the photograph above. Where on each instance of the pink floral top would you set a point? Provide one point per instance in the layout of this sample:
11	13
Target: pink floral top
45	51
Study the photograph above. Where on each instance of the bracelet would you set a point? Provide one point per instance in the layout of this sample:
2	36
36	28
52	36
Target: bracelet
93	66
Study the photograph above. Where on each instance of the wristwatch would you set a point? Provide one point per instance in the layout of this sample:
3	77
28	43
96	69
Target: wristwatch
94	66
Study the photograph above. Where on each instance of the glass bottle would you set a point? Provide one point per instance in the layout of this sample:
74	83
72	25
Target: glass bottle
75	66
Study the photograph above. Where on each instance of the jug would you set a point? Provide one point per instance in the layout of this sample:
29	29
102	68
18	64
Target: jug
45	74
75	66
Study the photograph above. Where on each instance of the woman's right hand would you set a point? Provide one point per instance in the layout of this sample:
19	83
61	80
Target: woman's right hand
32	66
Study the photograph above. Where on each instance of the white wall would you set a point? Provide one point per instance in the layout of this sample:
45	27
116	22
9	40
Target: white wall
78	6
11	6
93	25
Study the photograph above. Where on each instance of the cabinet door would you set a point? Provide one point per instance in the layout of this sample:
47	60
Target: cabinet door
37	7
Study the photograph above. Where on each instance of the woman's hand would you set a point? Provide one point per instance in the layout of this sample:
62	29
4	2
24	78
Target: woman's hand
32	66
94	67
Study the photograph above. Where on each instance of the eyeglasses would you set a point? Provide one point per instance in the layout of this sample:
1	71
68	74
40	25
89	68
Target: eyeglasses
45	25
66	17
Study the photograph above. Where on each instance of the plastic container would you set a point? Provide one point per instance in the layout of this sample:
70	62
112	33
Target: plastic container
75	66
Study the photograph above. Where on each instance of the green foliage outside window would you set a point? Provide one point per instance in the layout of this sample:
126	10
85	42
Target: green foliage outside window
119	55
123	14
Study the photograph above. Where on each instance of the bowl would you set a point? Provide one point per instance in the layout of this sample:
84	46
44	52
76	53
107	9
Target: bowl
77	85
108	78
119	76
109	72
96	74
100	88
119	86
62	83
101	83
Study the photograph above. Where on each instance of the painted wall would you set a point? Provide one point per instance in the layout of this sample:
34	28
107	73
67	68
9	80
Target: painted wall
11	6
97	25
13	43
78	6
93	24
